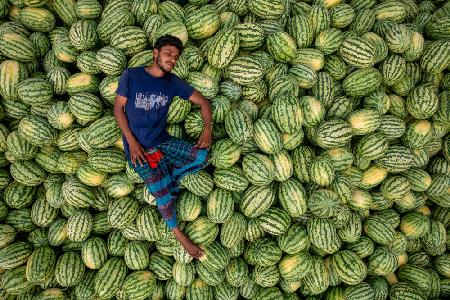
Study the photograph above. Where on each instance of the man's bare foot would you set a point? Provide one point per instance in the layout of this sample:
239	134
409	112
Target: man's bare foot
191	248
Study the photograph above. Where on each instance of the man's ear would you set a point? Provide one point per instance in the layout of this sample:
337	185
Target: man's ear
155	52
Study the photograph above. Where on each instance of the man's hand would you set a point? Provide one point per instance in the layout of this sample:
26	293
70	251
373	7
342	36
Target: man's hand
136	152
205	139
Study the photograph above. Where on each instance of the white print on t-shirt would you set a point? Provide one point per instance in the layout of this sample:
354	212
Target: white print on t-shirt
150	101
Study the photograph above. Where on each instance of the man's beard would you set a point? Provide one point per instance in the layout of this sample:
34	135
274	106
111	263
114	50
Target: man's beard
158	63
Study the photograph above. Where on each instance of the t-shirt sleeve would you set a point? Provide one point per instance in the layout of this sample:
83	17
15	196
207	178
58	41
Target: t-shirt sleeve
123	87
182	88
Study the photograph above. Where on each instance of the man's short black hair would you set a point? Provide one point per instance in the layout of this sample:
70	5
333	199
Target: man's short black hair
168	40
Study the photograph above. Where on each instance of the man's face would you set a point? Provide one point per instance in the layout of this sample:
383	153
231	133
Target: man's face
166	58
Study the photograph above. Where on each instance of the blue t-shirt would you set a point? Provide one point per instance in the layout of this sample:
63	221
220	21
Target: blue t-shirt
148	103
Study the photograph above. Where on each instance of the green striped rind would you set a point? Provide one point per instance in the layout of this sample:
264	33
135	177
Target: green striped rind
109	160
422	102
139	285
15	282
262	252
393	69
19	148
178	110
267	136
292	197
82	82
8	234
266	276
111	60
414	225
69	269
295	266
14	255
189	206
37	130
116	19
358	52
236	272
88	9
329	40
118	185
245	70
294	240
372	146
108	88
281	46
11	73
77	194
147	223
37	19
256	200
220	205
40	265
79	226
300	28
362	82
94	253
87	63
323	203
173	290
60	117
348	267
17	47
418	133
436	56
122	211
35	91
333	133
392	127
129	39
317	280
251	35
395	188
323	90
267	9
110	278
161	265
258	169
65	10
42	214
202	231
379	230
224	153
27	172
199	289
223	48
17	195
287	113
233	230
342	15
239	126
204	84
405	290
231	179
364	121
136	255
359	291
210	277
199	183
175	28
83	35
416	276
397	159
103	132
215	257
323	235
57	232
274	221
202	23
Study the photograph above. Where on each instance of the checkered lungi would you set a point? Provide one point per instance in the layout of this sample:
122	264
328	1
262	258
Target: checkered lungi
166	165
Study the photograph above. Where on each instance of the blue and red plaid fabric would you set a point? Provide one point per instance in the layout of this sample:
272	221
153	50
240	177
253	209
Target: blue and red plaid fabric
176	158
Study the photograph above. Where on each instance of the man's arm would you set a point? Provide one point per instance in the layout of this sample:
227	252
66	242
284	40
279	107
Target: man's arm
205	138
136	151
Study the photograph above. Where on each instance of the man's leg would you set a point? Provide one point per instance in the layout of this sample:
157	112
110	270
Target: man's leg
160	184
186	158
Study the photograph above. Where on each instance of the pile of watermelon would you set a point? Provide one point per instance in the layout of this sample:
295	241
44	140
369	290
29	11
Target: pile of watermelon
329	174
